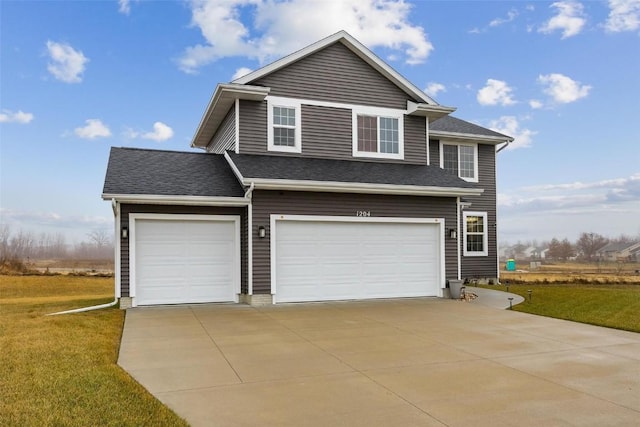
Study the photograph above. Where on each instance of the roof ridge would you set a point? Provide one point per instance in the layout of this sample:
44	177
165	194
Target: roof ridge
160	150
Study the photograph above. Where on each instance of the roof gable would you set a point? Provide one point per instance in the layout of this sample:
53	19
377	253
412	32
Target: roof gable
358	49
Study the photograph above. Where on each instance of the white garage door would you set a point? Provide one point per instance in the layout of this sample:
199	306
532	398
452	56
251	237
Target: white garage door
328	260
185	261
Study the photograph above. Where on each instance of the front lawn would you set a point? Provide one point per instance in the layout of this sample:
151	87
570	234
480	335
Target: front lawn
613	306
61	370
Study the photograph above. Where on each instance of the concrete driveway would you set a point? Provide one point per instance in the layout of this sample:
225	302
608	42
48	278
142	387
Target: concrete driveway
423	362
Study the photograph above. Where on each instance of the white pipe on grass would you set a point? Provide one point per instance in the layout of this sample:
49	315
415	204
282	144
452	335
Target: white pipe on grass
80	310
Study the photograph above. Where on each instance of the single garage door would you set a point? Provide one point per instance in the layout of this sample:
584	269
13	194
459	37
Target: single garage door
185	261
333	260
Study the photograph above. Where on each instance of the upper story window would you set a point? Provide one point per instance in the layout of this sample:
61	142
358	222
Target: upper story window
378	133
460	159
283	131
475	239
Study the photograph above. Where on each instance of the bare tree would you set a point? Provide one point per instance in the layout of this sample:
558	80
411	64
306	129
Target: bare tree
589	243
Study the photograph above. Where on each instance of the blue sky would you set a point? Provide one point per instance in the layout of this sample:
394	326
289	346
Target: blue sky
563	78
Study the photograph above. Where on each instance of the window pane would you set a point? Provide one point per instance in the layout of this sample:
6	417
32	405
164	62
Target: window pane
450	158
467	163
284	137
367	134
475	243
475	224
284	116
389	135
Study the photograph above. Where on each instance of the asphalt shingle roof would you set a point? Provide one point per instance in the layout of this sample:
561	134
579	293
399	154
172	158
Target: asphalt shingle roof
453	124
314	169
169	173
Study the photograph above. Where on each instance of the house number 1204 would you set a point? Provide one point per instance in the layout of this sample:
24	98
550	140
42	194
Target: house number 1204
363	213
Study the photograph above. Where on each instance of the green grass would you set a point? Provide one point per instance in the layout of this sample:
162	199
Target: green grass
61	370
613	306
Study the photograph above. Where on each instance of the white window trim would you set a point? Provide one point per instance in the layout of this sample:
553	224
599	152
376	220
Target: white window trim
485	237
378	112
475	158
273	101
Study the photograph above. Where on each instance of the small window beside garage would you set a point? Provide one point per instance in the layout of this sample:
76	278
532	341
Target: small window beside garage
475	238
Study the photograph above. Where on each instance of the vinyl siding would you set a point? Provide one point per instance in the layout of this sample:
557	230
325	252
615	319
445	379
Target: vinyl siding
225	138
335	74
126	209
266	203
327	132
479	267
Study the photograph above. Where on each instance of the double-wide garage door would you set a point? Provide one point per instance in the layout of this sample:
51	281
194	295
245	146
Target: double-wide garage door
318	260
185	260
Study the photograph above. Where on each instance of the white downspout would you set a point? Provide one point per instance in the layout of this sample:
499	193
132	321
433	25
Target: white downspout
497	239
459	232
248	195
116	213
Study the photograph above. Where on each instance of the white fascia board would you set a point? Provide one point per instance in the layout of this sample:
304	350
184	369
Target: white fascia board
356	47
363	188
177	200
470	137
222	99
434	112
235	170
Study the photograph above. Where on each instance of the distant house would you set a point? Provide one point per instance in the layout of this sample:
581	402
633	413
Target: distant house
619	252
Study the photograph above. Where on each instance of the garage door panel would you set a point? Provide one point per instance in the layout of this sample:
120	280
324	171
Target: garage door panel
182	261
329	260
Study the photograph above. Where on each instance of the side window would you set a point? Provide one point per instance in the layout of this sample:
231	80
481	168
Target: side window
283	125
378	135
460	160
475	239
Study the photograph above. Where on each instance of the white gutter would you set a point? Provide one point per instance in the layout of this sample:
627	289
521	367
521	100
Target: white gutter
469	136
364	188
177	200
506	144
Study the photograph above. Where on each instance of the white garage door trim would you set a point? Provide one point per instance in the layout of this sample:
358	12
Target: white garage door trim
133	217
275	218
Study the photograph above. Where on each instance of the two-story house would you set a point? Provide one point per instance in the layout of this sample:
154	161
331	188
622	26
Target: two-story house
325	175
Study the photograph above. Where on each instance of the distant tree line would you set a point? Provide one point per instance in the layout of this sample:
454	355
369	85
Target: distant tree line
584	248
25	245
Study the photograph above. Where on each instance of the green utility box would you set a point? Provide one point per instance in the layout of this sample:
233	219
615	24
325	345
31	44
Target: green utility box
511	265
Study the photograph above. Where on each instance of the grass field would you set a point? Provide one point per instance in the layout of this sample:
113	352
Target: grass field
61	370
612	305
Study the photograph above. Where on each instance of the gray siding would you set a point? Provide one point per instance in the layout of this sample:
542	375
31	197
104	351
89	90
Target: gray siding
253	127
225	138
335	74
126	209
266	203
479	267
327	132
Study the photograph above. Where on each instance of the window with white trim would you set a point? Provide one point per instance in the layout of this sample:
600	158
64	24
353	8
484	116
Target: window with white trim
378	134
475	239
283	125
460	160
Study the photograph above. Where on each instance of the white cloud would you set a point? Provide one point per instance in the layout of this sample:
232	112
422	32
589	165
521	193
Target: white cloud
124	6
570	19
567	209
241	72
161	132
496	92
279	28
623	16
434	88
536	104
94	129
563	89
510	126
19	116
511	15
67	64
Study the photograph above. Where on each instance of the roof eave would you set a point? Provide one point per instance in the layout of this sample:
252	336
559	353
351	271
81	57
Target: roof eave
362	188
154	199
356	47
222	99
434	112
490	139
